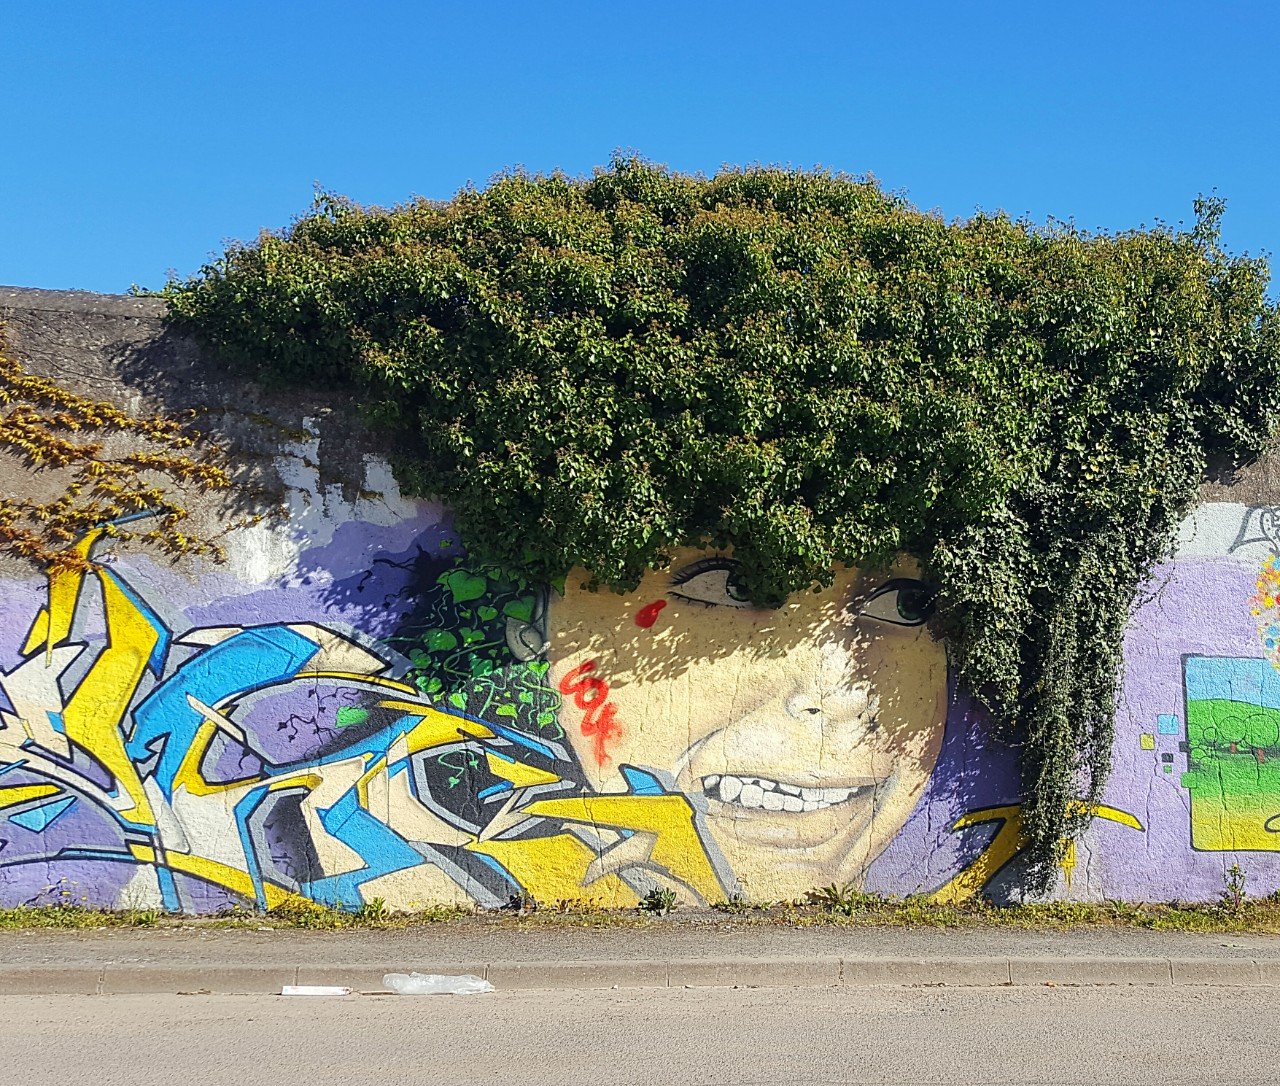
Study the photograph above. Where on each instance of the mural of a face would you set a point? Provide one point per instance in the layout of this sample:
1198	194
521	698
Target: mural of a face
808	732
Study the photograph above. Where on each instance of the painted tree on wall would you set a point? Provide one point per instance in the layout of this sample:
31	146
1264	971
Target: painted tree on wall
800	366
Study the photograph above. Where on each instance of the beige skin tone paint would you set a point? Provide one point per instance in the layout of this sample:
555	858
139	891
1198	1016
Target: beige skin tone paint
810	730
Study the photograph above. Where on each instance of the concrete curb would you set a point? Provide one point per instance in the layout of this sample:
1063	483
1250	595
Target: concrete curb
245	979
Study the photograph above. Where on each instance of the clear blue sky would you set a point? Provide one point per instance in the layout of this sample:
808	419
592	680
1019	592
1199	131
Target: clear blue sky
139	137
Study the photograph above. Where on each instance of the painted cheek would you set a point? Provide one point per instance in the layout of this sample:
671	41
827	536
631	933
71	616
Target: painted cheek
648	614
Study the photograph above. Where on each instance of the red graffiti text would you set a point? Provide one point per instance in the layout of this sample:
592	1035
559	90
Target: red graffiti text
591	695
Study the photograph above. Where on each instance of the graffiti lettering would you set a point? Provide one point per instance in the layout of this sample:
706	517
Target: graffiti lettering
282	761
591	695
1006	844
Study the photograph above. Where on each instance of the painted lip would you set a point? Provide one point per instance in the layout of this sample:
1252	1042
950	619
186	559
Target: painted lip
748	793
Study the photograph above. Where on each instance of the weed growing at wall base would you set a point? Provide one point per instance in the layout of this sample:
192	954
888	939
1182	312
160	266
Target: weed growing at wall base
659	901
802	368
1258	915
1234	895
844	900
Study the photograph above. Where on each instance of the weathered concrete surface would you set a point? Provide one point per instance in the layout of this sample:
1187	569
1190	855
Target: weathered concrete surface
690	934
657	956
802	1037
119	348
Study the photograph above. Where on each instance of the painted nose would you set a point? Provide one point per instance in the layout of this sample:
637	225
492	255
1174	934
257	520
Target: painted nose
832	709
803	707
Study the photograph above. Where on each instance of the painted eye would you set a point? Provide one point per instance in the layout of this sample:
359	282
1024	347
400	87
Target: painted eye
717	582
903	601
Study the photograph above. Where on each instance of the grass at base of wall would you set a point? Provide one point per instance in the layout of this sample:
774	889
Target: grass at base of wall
824	908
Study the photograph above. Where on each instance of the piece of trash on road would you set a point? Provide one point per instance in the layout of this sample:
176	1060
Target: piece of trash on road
435	984
315	990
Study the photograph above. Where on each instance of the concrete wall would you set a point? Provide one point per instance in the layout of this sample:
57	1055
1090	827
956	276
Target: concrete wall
349	710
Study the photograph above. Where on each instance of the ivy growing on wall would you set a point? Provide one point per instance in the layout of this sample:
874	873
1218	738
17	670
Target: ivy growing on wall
110	468
591	372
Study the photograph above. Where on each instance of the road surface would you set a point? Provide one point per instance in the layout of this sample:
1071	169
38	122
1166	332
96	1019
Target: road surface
1129	1036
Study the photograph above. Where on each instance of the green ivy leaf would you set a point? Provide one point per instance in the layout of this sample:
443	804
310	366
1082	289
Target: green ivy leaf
440	641
465	586
521	610
351	714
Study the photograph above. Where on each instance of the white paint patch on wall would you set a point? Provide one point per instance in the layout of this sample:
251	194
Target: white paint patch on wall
1229	529
266	553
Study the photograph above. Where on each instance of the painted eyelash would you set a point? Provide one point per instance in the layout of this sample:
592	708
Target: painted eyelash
703	565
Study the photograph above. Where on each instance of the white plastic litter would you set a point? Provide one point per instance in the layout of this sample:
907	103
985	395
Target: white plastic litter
315	990
434	984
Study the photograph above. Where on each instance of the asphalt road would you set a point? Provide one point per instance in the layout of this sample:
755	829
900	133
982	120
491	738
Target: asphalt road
727	1037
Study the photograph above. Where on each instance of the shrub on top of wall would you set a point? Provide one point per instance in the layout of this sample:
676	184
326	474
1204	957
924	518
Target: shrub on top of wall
804	368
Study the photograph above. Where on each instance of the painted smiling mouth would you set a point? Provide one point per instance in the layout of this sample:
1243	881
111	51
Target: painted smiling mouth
770	795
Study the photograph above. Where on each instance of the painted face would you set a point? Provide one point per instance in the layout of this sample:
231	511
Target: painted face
808	732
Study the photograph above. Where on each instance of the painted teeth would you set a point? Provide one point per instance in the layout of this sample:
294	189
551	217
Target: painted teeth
774	795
